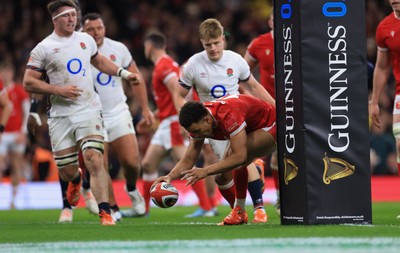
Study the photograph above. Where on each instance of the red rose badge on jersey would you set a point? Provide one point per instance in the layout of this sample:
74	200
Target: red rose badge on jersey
83	46
229	72
398	105
113	57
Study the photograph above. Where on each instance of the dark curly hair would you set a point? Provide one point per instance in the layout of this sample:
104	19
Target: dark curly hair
191	112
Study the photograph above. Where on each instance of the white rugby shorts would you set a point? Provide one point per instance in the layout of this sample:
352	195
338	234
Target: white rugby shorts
8	143
118	125
168	134
65	132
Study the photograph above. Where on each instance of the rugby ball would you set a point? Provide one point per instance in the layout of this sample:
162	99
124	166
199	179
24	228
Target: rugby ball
164	195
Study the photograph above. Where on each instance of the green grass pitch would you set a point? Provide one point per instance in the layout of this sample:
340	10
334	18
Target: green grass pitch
31	227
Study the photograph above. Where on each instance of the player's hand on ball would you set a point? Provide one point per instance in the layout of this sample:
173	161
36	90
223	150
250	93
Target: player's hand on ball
164	195
193	175
166	179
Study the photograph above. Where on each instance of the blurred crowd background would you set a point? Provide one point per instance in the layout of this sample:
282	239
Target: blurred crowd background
24	23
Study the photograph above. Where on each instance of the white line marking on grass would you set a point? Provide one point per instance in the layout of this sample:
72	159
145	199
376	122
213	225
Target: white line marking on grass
50	223
271	245
184	223
371	225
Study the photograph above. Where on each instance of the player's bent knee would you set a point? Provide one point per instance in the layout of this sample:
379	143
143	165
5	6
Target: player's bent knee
222	179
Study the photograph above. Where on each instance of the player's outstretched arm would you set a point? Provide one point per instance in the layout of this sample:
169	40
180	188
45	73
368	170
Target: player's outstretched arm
237	156
105	65
187	162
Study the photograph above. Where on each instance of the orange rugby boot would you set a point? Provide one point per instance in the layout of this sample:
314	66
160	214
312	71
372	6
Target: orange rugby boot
260	216
106	219
73	191
238	216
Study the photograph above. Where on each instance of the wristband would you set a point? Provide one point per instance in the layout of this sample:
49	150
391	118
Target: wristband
1	128
34	105
123	73
36	116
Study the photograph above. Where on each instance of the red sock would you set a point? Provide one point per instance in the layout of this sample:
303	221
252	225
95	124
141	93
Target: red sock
200	189
240	177
275	175
146	193
228	194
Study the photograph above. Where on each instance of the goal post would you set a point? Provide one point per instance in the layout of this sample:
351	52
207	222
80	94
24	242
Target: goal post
322	111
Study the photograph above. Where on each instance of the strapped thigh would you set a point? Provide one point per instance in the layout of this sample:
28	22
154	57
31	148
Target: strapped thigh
95	144
66	160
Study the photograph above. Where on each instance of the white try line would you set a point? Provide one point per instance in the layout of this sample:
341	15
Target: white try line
273	245
187	223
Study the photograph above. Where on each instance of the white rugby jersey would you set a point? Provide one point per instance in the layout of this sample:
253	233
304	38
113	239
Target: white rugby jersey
215	79
110	88
66	61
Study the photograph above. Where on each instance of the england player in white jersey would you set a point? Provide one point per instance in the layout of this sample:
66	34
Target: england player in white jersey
214	73
75	121
214	80
118	125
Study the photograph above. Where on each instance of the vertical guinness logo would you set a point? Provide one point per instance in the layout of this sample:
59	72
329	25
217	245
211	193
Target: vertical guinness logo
339	136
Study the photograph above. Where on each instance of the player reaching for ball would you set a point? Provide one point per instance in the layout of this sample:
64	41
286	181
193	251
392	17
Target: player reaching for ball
215	73
249	124
168	138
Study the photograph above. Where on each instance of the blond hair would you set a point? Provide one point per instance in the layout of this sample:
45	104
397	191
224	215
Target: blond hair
210	29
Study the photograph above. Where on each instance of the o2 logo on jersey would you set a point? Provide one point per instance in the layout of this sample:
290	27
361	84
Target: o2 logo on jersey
74	66
218	91
105	79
